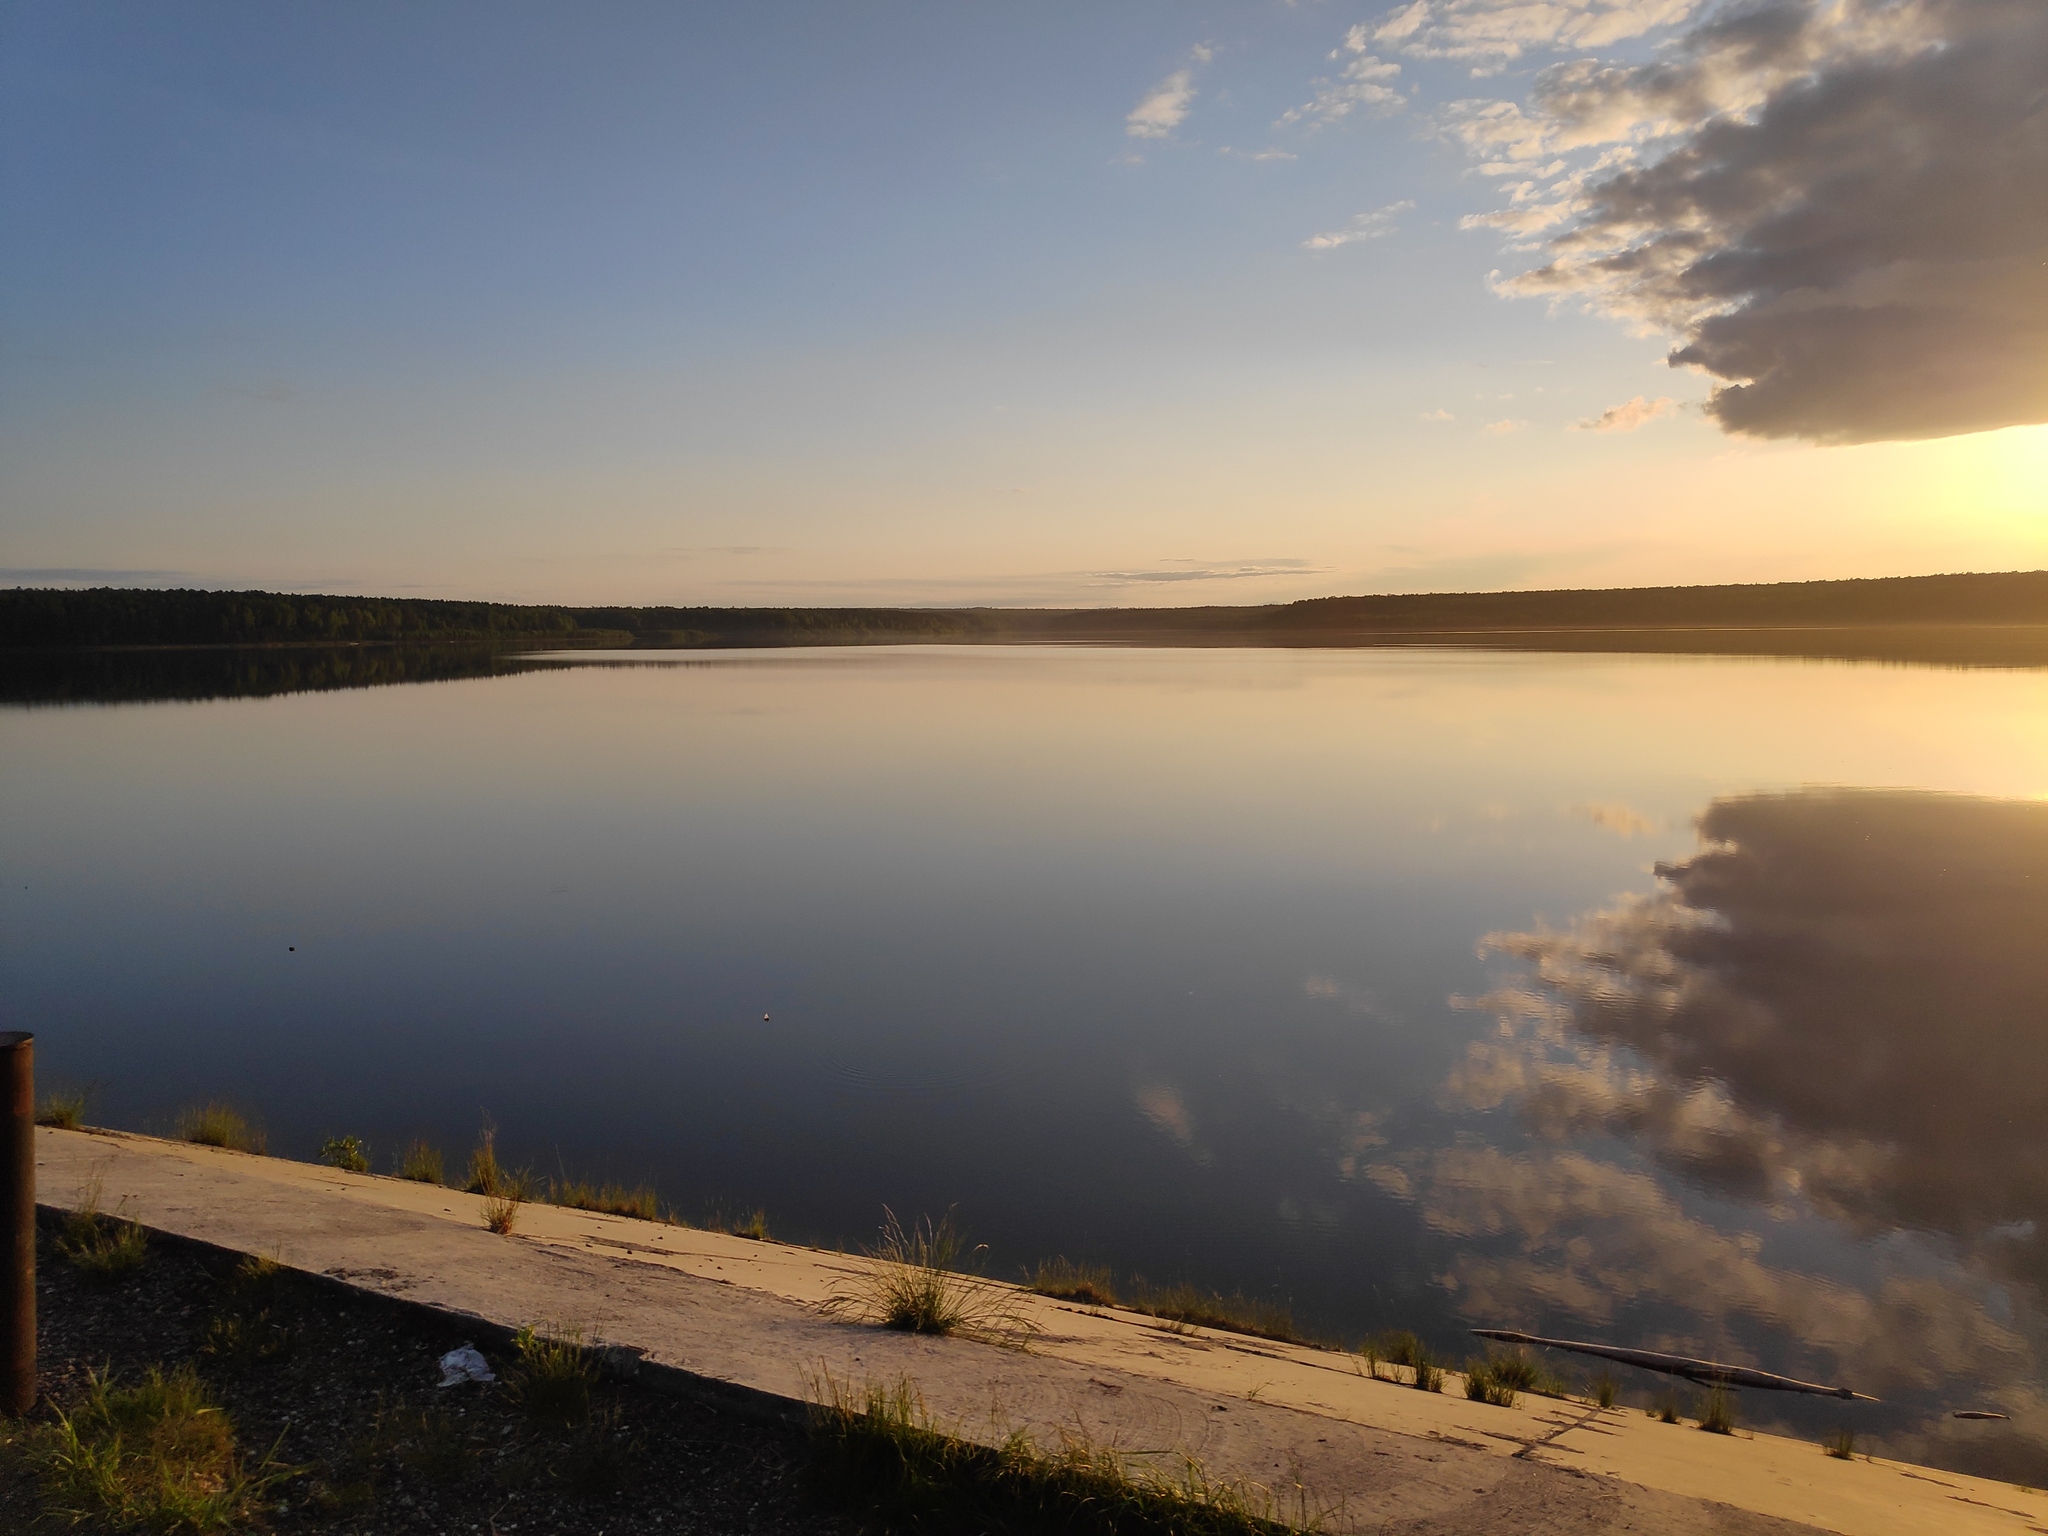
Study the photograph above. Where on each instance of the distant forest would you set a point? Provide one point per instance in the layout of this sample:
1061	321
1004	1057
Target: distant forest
49	618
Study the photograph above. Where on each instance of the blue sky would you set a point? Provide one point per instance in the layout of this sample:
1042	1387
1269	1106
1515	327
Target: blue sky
1085	303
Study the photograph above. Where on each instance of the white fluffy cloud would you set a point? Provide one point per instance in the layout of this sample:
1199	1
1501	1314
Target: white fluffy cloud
1836	206
1164	108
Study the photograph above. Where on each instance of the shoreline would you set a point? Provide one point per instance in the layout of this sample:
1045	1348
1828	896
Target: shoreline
688	1306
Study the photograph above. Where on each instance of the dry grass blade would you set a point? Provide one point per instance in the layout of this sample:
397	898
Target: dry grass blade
912	1283
218	1125
1092	1285
500	1213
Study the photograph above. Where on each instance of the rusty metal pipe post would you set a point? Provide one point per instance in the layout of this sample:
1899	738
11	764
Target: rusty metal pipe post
17	1223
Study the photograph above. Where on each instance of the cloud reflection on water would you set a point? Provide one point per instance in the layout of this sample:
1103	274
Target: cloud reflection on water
1836	1010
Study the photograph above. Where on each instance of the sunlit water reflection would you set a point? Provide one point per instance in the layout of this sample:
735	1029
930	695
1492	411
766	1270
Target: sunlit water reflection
1421	989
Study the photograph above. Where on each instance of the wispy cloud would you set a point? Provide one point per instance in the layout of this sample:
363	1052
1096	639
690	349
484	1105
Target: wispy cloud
1503	427
1168	103
1629	415
1365	226
1364	84
1200	570
1257	156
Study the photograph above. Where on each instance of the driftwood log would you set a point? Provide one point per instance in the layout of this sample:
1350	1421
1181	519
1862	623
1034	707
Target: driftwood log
1678	1365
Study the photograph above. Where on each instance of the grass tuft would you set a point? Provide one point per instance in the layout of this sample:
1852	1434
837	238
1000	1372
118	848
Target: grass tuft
66	1111
347	1153
1667	1408
1719	1419
488	1176
1841	1446
879	1448
551	1377
421	1163
1405	1349
752	1224
1090	1284
1502	1377
613	1199
104	1247
244	1330
217	1125
913	1283
157	1456
500	1213
1198	1308
1606	1389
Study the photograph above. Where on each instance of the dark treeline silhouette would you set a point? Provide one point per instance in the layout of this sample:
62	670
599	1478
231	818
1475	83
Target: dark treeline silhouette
129	676
45	616
1760	618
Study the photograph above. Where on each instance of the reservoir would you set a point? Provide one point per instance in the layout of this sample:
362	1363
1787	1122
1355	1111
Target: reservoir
1678	1002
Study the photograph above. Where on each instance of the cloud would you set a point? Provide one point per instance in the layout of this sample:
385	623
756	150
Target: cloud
1830	1011
1506	425
1257	156
1364	226
1364	83
1198	570
1838	999
1164	109
1622	820
1629	415
1833	205
1439	414
1493	32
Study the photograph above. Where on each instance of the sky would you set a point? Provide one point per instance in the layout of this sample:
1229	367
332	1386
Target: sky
1134	303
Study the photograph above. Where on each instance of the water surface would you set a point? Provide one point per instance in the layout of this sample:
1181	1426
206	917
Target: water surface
1683	1002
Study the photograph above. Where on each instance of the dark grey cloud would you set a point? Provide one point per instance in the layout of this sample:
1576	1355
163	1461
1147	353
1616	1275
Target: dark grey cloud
1841	209
1842	1000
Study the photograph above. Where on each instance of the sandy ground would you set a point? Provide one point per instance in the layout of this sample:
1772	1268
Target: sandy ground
711	1313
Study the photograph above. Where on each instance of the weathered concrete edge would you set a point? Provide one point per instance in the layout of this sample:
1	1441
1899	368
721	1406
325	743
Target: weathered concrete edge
616	1362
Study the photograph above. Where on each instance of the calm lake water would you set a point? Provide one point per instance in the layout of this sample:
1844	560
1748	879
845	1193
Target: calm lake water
1685	1003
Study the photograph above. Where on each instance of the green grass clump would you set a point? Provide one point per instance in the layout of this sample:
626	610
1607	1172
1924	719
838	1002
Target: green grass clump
1719	1419
158	1456
551	1377
1841	1446
421	1163
488	1176
1198	1308
913	1283
245	1329
1502	1377
1667	1408
346	1153
1090	1284
1605	1389
104	1247
879	1450
1404	1348
751	1224
217	1125
612	1199
66	1111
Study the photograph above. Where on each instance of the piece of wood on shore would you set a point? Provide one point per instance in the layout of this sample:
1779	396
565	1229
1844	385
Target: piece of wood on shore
1709	1371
